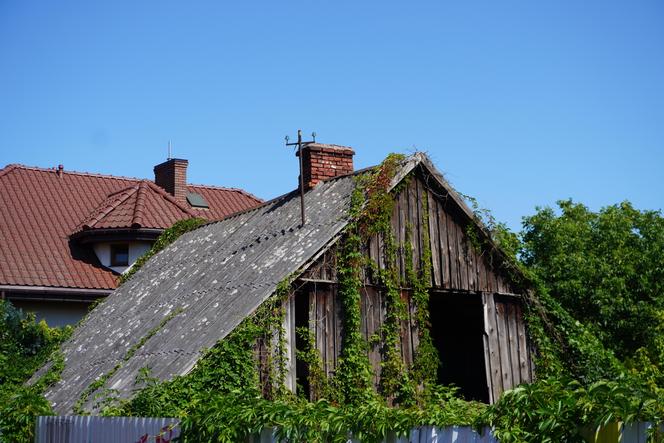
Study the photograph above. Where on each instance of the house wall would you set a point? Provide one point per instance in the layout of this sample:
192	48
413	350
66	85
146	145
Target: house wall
457	267
136	250
55	313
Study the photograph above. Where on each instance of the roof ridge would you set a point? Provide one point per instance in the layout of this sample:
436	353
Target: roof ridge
226	188
137	217
12	166
7	169
161	191
109	206
72	172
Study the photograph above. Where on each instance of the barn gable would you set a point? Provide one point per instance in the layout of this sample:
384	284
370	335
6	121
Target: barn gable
192	294
471	290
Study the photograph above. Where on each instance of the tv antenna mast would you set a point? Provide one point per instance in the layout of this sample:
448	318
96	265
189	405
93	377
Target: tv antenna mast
299	145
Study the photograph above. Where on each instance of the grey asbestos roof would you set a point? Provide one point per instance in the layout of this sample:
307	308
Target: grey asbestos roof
204	284
216	276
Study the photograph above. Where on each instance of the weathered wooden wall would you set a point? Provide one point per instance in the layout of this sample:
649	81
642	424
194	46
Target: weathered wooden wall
507	355
457	266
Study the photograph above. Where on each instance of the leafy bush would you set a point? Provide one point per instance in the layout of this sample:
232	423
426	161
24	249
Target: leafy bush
24	347
558	409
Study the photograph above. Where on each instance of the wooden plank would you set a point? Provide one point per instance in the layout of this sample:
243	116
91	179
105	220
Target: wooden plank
494	348
524	350
434	242
403	216
414	330
461	255
329	332
369	320
471	264
505	365
444	249
320	328
413	222
336	326
382	314
406	338
453	253
492	281
481	273
394	224
513	340
289	329
487	302
364	312
421	195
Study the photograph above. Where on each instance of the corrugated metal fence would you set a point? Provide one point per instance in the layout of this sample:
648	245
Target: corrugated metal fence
88	429
424	434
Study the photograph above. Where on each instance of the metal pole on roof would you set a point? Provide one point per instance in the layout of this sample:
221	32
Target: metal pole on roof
299	145
299	149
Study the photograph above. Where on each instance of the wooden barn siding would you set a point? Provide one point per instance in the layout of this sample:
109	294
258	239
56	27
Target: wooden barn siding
507	351
456	266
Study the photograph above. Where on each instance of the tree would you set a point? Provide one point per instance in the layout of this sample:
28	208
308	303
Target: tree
606	268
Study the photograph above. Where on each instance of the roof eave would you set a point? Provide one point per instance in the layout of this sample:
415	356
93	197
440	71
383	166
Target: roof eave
116	234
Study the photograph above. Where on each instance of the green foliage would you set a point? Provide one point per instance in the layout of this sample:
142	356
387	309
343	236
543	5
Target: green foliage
232	417
18	413
166	238
558	409
25	345
606	269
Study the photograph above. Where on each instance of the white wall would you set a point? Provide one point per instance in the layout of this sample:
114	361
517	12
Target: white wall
56	313
136	249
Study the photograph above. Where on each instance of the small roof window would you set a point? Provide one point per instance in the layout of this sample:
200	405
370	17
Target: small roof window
197	200
120	255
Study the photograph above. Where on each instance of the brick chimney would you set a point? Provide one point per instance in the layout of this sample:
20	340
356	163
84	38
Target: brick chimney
172	176
320	162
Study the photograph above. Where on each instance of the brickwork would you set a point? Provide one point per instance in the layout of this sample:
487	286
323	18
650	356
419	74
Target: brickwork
321	162
172	176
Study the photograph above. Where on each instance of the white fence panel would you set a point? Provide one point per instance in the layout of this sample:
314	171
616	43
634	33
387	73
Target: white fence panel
424	434
638	432
88	429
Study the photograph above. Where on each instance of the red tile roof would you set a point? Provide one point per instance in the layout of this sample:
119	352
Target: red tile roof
40	209
143	205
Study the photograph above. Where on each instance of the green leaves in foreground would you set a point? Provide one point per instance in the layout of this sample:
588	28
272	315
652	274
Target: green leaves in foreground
556	409
230	418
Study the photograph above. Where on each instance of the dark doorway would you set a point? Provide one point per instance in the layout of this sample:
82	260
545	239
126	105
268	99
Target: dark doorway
301	331
457	329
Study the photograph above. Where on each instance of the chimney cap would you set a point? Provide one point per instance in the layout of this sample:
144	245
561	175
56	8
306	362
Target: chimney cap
323	147
172	160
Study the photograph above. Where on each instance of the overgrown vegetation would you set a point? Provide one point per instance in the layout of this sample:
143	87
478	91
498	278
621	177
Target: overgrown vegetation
594	309
25	345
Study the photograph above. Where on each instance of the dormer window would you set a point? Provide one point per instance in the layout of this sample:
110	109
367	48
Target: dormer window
120	255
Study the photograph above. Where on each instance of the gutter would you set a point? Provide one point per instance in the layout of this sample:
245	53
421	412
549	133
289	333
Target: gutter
45	293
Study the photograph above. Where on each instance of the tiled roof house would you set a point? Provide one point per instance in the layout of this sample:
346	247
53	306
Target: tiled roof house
66	236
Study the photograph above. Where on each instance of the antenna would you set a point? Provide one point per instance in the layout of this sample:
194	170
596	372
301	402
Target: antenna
170	154
299	145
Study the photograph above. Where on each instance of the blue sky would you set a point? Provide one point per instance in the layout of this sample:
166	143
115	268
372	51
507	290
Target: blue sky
520	103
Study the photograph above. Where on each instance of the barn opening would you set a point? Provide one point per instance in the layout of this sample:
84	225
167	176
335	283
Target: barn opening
301	328
457	329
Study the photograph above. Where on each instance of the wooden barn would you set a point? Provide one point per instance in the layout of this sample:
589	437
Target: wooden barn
196	291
